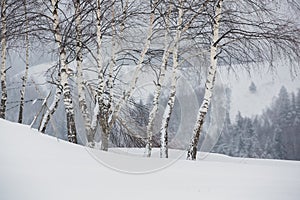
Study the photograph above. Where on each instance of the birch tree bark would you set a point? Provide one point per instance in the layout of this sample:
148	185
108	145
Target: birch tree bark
101	108
80	79
3	60
113	60
158	88
101	84
71	127
209	85
168	111
25	77
107	105
171	100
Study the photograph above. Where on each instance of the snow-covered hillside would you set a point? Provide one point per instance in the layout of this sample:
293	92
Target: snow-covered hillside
35	166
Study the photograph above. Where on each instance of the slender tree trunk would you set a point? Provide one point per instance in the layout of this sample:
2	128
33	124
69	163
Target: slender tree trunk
3	60
104	137
71	126
209	85
112	61
137	71
163	68
94	121
107	112
101	109
171	101
44	105
153	112
101	83
24	78
53	107
80	79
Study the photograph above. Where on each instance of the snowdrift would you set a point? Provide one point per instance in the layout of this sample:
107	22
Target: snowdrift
35	166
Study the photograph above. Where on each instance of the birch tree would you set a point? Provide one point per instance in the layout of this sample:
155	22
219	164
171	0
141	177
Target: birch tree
3	60
69	108
44	18
180	29
158	88
73	44
209	85
110	91
52	108
171	100
25	77
80	79
104	111
101	82
252	32
113	61
103	101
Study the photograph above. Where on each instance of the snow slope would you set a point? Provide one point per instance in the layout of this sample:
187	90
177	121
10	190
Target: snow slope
35	166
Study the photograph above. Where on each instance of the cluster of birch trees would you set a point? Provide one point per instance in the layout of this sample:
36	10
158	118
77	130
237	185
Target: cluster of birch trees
112	34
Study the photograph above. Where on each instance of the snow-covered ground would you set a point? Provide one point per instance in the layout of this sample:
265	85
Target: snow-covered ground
35	166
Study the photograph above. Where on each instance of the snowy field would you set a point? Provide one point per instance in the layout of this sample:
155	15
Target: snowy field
35	166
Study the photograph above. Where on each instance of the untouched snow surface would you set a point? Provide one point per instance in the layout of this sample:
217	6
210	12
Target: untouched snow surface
35	166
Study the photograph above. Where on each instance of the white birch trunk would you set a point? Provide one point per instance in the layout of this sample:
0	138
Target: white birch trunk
24	78
3	60
102	107
71	127
80	80
101	84
94	120
209	85
171	100
50	110
137	71
91	141
113	61
107	104
163	68
169	109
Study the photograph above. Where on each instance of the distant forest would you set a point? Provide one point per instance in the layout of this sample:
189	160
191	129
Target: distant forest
274	134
